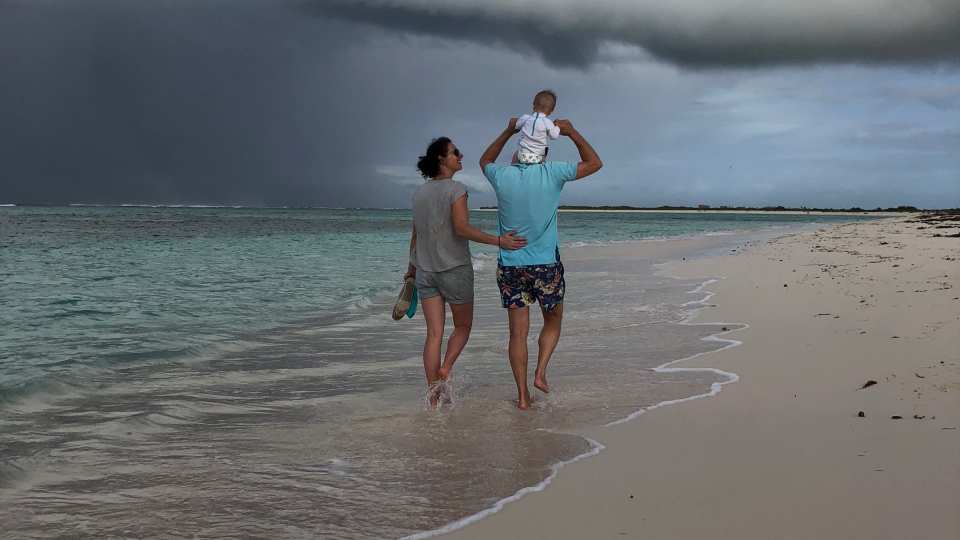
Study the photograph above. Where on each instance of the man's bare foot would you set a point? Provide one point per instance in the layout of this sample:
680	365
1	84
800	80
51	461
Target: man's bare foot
523	401
540	383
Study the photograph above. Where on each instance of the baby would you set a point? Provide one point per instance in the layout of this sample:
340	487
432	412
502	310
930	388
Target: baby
536	129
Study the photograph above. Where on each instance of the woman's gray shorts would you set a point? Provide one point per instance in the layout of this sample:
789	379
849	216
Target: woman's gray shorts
454	285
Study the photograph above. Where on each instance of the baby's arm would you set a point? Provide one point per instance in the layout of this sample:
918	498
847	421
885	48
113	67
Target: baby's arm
552	130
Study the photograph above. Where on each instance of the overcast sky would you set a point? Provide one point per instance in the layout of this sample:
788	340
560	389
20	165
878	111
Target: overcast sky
328	103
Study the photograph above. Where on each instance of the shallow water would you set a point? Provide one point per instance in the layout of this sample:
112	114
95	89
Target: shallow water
217	373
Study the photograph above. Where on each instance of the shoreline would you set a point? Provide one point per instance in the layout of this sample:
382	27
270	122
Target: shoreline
577	505
716	387
596	447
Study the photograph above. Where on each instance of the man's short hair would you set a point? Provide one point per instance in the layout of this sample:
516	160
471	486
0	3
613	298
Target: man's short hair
546	99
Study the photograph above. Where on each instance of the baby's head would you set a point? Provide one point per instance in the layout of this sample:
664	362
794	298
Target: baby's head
544	102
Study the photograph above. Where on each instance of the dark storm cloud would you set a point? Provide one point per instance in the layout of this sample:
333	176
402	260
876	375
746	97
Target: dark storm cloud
478	27
175	102
693	33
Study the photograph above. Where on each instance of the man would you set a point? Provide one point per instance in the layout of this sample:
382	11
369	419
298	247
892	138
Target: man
527	200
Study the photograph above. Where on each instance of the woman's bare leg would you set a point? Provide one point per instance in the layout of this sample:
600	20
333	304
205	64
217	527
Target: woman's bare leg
462	323
434	313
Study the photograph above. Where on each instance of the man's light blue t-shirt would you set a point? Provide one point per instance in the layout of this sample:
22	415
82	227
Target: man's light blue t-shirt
527	198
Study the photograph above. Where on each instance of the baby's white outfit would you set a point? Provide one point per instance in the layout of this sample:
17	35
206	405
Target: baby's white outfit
535	131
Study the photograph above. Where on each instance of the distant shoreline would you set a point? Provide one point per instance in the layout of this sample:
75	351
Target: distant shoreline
732	211
879	212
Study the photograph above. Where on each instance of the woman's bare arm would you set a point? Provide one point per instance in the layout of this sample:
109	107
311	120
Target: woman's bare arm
460	215
411	269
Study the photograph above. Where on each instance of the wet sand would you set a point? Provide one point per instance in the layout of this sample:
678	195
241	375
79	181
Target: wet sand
803	445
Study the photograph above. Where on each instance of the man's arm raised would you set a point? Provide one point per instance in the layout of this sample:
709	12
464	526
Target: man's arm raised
589	160
493	151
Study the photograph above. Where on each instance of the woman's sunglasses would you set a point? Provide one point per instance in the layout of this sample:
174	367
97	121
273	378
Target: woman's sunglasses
456	152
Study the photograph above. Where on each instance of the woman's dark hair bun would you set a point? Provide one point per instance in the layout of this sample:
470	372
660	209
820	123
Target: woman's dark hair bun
429	164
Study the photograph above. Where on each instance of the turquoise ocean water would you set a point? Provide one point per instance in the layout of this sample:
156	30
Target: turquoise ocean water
234	372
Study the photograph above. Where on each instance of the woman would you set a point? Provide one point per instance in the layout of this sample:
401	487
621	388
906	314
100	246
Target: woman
440	257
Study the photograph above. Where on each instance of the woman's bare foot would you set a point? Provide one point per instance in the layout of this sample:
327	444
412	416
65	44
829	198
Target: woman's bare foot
433	394
444	372
540	383
446	393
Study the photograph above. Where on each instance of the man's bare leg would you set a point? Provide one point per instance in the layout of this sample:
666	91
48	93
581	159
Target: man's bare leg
462	323
519	329
549	336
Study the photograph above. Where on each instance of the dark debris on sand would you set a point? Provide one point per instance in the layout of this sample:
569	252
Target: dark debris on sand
942	219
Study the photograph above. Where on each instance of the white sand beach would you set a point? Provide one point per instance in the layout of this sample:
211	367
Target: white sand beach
795	449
